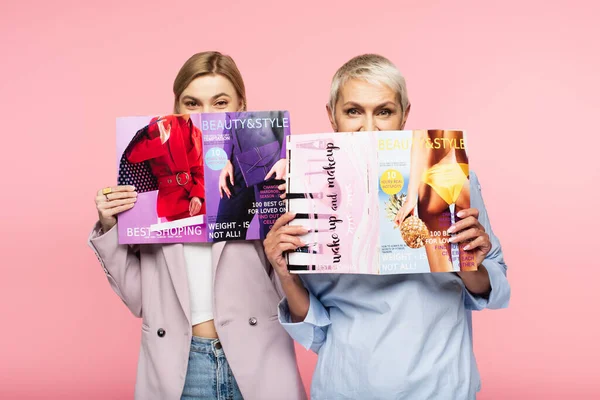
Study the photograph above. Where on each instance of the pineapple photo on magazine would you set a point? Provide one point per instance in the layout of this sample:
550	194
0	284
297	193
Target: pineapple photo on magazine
378	202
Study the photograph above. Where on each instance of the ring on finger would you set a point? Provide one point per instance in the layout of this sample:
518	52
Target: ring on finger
107	199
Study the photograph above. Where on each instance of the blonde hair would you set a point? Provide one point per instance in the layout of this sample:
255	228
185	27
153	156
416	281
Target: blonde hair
208	63
374	69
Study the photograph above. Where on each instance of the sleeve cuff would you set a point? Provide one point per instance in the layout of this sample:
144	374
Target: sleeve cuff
499	293
304	332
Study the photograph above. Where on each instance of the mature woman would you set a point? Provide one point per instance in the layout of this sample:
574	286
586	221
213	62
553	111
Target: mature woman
200	302
398	336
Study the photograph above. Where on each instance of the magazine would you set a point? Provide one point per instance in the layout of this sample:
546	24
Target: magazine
202	177
378	202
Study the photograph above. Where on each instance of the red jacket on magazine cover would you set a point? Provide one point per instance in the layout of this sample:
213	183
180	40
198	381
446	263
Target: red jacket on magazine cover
176	163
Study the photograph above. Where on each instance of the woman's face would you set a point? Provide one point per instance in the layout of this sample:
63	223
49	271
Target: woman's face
362	106
209	93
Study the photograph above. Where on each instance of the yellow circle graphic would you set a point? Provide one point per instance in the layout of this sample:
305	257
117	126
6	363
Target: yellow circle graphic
391	181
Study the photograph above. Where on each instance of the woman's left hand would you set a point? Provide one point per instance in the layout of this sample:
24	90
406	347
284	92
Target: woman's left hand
195	206
469	230
278	170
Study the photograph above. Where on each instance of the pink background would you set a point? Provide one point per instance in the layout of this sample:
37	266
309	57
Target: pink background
521	77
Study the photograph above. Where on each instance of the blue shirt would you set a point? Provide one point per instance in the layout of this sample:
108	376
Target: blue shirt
397	336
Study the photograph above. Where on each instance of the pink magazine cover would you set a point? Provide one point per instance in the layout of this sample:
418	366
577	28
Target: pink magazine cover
330	190
378	202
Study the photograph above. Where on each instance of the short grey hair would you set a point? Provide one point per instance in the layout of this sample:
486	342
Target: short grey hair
374	69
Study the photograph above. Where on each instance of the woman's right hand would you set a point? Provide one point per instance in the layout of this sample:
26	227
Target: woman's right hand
165	133
407	208
226	172
281	239
120	198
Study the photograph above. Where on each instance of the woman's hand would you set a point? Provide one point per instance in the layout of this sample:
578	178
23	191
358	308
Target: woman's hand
278	170
165	133
226	172
469	230
281	239
195	206
119	199
282	188
407	208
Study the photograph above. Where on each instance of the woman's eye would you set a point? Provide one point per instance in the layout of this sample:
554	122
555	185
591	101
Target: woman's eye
190	104
221	103
352	111
385	112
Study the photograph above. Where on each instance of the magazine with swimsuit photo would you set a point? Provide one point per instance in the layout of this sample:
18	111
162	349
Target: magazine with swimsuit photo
202	177
378	202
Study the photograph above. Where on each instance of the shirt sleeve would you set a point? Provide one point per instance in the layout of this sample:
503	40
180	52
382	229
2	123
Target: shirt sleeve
499	295
311	332
149	147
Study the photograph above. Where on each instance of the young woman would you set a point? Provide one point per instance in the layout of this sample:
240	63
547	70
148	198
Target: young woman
200	302
394	336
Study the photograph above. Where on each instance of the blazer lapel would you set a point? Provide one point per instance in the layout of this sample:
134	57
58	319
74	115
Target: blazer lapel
176	266
217	250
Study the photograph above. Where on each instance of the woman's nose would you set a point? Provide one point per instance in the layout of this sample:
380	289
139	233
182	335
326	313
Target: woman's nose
370	124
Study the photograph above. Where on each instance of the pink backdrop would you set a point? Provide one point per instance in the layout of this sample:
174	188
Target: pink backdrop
522	79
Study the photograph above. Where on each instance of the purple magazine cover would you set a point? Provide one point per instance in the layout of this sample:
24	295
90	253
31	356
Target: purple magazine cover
202	177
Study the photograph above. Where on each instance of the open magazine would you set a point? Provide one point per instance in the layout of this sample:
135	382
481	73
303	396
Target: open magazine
202	177
378	202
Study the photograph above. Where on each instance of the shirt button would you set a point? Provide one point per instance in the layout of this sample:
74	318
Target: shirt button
161	332
252	321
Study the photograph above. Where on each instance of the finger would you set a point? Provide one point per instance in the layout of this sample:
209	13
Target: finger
282	196
230	173
227	191
283	220
295	240
282	187
285	247
117	210
469	212
120	188
465	224
117	203
121	195
221	188
295	230
481	241
466	235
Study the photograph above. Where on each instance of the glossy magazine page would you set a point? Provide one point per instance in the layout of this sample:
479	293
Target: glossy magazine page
410	184
332	194
202	177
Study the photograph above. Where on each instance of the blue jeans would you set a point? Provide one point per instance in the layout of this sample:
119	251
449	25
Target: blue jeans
208	375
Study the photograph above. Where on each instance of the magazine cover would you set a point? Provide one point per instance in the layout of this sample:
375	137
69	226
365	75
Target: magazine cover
202	177
419	180
329	189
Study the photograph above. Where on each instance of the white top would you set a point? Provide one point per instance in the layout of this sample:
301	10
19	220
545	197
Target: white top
198	261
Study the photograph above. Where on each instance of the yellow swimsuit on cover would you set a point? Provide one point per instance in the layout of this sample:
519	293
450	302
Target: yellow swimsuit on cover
447	180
